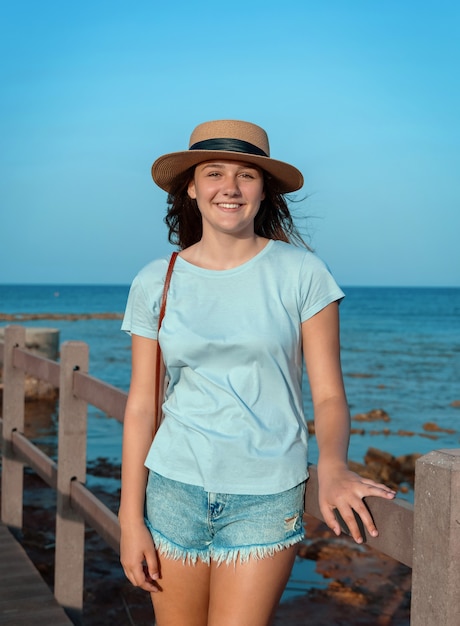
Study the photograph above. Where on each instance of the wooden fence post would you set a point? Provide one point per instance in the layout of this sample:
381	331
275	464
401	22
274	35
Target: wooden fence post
436	563
13	419
70	526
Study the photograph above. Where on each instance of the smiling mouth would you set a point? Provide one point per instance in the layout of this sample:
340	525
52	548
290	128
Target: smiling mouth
229	205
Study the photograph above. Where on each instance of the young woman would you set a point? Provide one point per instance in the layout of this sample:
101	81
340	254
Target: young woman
211	510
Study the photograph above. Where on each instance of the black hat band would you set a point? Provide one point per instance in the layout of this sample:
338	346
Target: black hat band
228	145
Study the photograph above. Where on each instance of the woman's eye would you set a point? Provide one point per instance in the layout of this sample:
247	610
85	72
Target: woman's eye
246	175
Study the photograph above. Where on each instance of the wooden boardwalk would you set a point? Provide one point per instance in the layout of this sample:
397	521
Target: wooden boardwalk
25	598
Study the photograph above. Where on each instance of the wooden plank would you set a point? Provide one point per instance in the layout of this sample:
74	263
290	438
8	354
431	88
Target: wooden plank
13	419
436	573
35	365
96	514
25	598
106	397
35	458
70	526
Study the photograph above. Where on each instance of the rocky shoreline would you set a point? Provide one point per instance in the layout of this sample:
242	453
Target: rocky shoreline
71	317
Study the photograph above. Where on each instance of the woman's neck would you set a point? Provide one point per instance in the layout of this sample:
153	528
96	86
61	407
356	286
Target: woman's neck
223	253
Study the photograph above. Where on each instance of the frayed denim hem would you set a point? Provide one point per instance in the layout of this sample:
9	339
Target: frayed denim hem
229	556
171	550
245	553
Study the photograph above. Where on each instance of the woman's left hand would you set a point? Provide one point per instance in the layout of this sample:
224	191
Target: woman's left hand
343	490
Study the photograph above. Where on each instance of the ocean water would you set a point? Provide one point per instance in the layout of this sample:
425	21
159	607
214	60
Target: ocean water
400	353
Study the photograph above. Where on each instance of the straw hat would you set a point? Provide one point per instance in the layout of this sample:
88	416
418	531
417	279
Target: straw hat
231	140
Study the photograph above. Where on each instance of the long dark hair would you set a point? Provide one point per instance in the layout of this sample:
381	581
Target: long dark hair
183	218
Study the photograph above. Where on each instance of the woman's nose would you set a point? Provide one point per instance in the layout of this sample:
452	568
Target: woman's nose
231	186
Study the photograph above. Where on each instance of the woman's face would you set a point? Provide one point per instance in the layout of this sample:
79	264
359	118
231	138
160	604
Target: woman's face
228	194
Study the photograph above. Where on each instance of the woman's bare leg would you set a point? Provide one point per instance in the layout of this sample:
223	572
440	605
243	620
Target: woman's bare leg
183	598
247	594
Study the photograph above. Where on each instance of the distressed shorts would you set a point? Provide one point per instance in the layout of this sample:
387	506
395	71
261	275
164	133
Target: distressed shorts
188	523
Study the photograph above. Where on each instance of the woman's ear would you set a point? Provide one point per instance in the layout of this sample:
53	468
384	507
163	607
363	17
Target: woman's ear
191	189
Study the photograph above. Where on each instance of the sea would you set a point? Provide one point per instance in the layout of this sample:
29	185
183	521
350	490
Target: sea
400	353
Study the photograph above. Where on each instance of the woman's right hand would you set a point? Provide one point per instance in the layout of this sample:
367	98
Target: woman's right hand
139	558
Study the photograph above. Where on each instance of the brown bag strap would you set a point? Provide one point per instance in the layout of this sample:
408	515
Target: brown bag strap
160	369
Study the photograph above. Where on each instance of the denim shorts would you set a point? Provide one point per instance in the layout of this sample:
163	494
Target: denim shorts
188	523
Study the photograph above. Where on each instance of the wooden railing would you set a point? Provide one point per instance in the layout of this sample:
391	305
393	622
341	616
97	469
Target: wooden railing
424	536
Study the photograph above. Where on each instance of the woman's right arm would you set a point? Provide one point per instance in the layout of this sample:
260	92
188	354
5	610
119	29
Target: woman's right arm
136	546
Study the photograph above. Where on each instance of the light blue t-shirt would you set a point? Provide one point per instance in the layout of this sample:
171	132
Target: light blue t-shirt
231	341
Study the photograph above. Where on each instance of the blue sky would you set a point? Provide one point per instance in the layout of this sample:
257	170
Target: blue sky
362	96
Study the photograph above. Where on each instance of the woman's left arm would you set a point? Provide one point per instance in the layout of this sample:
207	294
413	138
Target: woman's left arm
339	488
